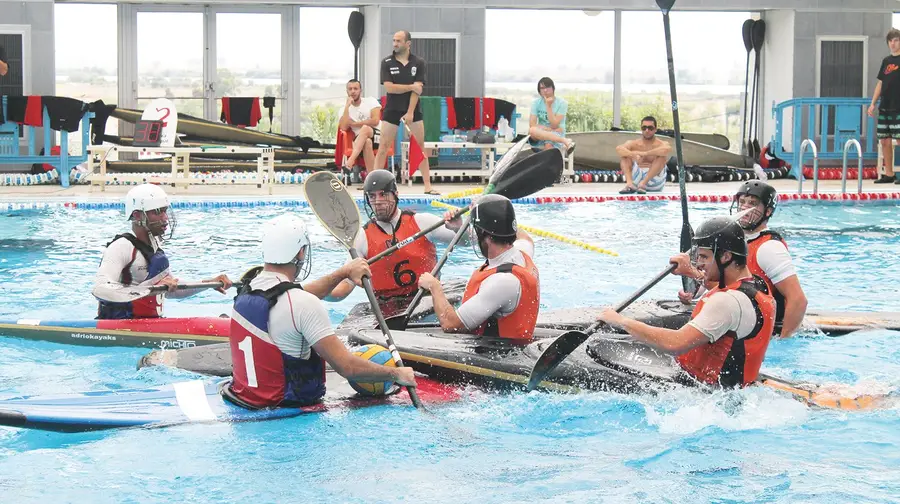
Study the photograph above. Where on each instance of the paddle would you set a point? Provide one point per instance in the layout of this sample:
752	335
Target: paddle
355	29
564	345
337	211
758	35
135	292
513	177
687	232
545	167
746	31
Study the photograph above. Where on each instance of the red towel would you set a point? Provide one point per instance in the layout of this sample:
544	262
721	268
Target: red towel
34	111
451	114
490	119
477	113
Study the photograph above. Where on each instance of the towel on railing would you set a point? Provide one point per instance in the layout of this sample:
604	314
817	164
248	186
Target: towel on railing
431	116
65	113
240	111
505	109
487	113
26	110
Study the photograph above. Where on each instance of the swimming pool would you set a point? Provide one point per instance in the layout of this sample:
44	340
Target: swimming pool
748	445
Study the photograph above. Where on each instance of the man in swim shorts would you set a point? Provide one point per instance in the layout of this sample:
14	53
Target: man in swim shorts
643	160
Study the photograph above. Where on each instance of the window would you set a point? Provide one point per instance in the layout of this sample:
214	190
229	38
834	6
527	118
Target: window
326	63
572	47
249	66
171	67
710	57
87	60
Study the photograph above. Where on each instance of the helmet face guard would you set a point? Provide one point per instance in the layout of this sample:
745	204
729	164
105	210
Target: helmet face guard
766	195
720	235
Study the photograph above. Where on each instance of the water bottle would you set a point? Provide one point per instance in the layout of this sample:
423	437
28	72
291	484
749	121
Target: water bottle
503	128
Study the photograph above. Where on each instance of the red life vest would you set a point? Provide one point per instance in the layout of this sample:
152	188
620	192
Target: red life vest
518	325
146	307
731	361
398	274
753	265
262	375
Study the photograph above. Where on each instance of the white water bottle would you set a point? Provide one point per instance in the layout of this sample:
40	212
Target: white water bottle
503	128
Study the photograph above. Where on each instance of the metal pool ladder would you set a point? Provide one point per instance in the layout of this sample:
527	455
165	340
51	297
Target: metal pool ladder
852	143
815	152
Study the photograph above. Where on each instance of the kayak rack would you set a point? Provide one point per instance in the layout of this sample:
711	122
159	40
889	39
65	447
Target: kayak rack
859	168
815	152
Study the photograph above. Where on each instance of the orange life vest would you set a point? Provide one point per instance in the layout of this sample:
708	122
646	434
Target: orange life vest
731	361
753	265
518	325
398	274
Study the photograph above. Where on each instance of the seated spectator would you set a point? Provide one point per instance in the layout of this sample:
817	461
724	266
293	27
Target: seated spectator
361	115
643	160
548	119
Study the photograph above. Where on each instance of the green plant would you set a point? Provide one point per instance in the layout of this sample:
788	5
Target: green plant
321	123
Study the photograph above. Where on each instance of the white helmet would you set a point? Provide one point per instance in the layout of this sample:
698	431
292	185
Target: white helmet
283	237
145	197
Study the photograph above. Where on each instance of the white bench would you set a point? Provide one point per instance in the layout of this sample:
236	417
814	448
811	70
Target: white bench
181	160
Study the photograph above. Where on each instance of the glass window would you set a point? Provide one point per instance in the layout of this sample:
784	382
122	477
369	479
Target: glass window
326	63
171	66
87	60
249	66
710	61
572	47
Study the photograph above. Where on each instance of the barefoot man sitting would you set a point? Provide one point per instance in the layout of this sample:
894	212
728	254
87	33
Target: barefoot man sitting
643	160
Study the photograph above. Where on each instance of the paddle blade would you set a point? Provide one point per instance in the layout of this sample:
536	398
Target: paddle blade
747	33
665	4
758	34
356	28
527	175
553	355
397	322
333	205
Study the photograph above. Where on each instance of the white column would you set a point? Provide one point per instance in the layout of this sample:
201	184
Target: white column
617	70
370	52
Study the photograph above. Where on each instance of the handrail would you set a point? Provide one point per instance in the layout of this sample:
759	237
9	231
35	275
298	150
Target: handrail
854	143
803	146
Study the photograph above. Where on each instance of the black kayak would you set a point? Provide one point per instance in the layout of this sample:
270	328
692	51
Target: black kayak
607	362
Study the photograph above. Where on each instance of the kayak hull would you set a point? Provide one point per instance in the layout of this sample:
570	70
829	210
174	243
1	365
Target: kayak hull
195	401
171	333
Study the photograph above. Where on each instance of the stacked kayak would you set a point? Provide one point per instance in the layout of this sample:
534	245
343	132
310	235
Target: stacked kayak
195	401
154	333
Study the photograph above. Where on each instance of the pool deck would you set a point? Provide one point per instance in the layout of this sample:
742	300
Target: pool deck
82	192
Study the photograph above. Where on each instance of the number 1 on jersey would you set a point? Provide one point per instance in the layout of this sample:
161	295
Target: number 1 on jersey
246	346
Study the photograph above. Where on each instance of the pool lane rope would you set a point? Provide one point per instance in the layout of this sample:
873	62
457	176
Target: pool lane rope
544	234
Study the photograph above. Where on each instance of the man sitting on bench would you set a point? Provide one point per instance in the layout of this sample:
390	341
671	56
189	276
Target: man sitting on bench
361	115
643	160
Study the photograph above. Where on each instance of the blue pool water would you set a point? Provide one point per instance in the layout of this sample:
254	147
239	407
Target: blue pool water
736	446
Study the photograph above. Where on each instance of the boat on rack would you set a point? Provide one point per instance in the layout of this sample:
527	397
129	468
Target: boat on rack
597	150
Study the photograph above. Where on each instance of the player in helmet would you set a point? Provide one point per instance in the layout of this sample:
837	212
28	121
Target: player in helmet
281	336
726	339
397	274
136	258
767	254
503	296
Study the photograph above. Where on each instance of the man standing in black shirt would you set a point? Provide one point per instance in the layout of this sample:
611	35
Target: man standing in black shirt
403	76
4	67
888	89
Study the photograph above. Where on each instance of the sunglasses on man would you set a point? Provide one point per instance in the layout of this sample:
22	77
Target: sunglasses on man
648	128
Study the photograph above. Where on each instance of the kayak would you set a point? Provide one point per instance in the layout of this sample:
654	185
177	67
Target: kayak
606	362
672	314
495	362
187	332
171	333
195	401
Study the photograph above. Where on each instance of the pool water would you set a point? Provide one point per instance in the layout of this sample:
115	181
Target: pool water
685	445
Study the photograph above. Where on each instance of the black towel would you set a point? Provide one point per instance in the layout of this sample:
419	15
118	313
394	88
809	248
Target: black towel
15	108
65	113
465	113
98	122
